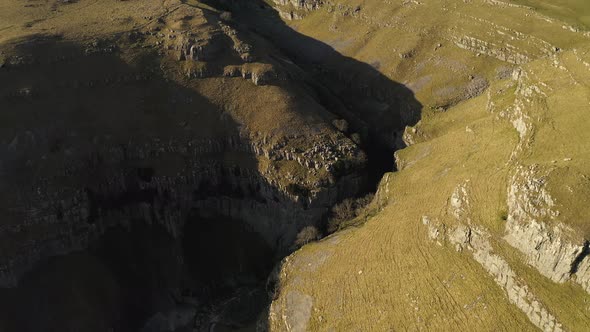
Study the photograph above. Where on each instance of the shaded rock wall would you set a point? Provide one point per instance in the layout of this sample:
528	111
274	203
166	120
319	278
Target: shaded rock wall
77	216
134	145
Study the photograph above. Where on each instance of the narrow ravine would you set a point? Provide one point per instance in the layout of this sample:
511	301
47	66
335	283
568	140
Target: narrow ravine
154	227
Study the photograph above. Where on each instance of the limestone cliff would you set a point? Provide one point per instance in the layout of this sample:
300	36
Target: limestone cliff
179	117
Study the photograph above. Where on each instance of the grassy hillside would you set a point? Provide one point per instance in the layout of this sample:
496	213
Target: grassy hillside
492	187
484	225
575	12
160	113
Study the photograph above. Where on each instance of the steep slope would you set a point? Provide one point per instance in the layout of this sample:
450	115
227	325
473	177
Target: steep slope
159	158
143	145
485	225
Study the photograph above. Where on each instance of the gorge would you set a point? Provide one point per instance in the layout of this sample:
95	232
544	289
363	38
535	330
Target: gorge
153	181
294	165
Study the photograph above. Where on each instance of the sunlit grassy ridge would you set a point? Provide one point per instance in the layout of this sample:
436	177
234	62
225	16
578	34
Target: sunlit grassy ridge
416	43
394	272
388	274
576	12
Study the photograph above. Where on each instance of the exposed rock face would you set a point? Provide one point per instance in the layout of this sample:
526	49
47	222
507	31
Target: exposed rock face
497	169
162	136
506	53
305	4
295	9
375	107
298	311
79	213
556	251
476	240
582	269
518	293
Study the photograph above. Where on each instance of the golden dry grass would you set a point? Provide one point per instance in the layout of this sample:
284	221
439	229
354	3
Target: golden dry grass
388	274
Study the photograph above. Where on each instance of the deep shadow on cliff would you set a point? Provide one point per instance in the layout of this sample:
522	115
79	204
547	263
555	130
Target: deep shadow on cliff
375	107
99	208
115	183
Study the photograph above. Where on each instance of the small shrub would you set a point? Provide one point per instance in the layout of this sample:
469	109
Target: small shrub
306	235
345	210
348	210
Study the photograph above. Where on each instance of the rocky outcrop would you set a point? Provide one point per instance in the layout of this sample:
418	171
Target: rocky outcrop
77	216
297	308
303	4
296	9
533	227
506	53
476	241
276	183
